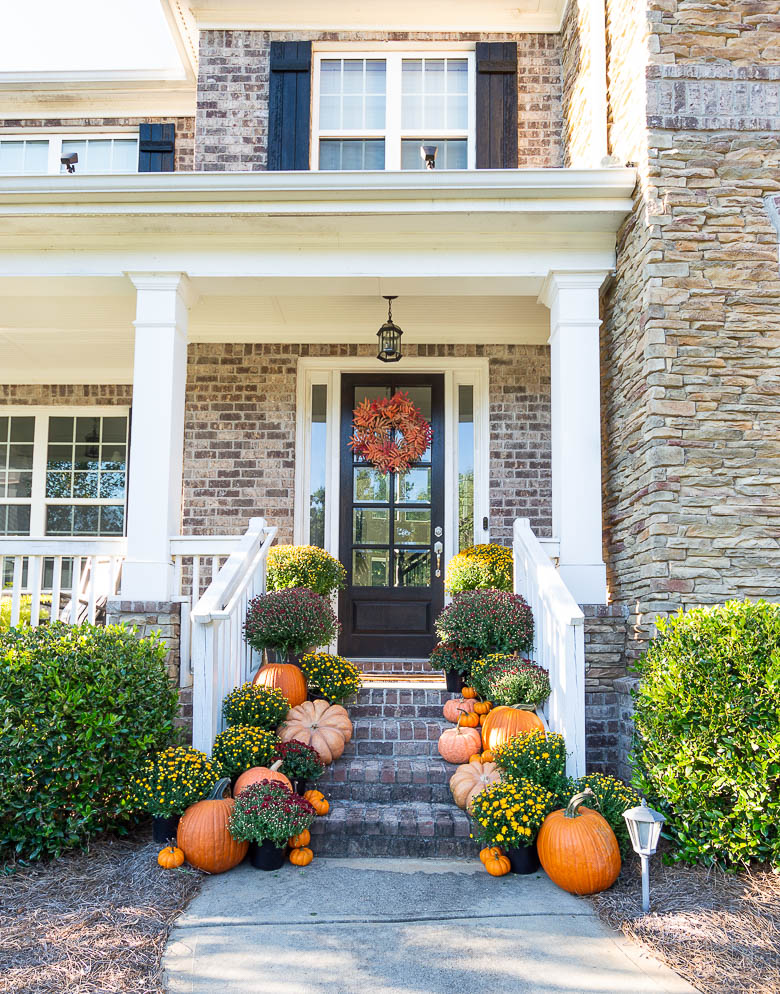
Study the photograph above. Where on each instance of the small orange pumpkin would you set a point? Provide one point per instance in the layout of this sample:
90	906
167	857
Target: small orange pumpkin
496	863
258	773
299	841
469	693
469	721
482	707
318	801
484	853
487	756
476	757
503	723
301	856
578	849
170	857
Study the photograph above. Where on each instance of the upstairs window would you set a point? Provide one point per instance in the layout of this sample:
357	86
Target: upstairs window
28	155
374	111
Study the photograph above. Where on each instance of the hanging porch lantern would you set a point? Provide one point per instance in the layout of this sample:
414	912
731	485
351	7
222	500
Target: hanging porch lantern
389	336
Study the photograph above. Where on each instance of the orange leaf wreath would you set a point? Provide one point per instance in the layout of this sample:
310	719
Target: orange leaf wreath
390	433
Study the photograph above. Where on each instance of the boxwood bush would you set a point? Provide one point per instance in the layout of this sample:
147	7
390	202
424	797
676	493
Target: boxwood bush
81	707
707	719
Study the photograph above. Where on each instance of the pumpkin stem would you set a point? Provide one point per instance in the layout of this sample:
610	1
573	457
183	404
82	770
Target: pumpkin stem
523	707
275	766
218	790
572	808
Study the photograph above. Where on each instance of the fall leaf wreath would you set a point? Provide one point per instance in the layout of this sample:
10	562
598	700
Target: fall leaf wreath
390	433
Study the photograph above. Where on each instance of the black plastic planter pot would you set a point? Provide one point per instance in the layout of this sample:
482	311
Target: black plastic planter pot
164	829
524	859
266	856
299	786
454	681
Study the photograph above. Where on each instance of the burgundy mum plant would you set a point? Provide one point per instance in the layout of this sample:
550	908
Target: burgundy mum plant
490	620
269	811
290	620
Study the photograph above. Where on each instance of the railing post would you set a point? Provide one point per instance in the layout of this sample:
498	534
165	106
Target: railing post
204	679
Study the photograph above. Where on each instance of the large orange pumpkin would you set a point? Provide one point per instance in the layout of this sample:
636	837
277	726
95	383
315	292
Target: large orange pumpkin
203	834
503	723
323	726
258	773
285	677
457	744
578	849
455	707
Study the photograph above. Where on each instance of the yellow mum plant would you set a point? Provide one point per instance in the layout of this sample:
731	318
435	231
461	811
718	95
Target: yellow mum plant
509	813
480	567
171	781
304	566
335	677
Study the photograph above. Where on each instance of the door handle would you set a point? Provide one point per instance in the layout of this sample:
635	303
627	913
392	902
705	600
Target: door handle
438	548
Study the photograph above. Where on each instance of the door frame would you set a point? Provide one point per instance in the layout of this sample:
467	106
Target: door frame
457	372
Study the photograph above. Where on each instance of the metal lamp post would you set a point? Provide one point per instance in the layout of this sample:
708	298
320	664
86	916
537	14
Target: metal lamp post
644	828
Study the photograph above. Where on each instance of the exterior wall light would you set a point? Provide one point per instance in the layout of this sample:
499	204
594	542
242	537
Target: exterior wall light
69	161
644	828
428	155
389	336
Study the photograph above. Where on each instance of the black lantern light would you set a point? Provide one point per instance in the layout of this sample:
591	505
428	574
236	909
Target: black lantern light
389	336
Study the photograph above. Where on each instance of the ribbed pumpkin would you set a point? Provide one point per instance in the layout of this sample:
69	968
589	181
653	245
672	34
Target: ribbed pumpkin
504	723
301	856
471	778
258	773
203	834
578	849
457	744
455	707
323	726
285	677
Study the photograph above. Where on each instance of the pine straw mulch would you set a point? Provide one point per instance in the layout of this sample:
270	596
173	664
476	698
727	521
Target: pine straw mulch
720	931
90	923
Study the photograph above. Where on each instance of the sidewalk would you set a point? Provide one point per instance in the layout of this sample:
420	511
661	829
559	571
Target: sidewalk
379	926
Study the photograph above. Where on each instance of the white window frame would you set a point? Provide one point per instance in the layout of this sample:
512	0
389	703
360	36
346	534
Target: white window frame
55	146
457	371
38	500
393	133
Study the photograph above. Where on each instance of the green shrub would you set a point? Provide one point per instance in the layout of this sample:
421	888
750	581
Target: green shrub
488	620
613	797
304	566
478	567
81	708
258	706
510	680
707	720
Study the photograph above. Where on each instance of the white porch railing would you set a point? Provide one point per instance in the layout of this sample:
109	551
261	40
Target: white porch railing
65	578
559	640
221	659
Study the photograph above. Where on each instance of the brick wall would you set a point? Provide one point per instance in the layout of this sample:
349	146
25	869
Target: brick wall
45	395
232	115
185	130
239	457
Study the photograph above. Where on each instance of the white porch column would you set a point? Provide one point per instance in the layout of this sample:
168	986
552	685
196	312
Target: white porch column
573	299
156	434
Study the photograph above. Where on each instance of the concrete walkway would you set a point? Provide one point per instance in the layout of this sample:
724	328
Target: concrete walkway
380	926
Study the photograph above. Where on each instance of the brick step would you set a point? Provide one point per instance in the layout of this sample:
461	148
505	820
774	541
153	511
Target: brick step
395	666
408	737
406	702
414	829
389	781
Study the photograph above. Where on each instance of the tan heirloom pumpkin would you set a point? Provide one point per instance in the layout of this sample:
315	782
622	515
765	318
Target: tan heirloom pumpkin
502	724
578	849
285	677
457	744
470	779
323	726
203	834
258	773
455	707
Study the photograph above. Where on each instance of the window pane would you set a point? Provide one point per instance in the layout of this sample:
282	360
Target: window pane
465	466
370	526
330	76
61	429
352	112
414	486
352	80
12	157
58	485
412	568
36	157
98	156
88	429
5	424
452	153
86	456
457	76
112	520
114	429
370	486
59	457
413	527
85	485
112	485
319	410
19	484
125	156
20	456
352	153
85	520
21	429
375	76
433	111
370	567
14	519
59	519
411	76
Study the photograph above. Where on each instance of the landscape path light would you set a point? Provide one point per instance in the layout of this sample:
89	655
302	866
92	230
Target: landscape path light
644	828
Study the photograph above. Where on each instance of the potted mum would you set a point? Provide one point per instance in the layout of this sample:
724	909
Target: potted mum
256	706
509	814
168	784
290	621
510	681
300	764
304	566
266	814
488	620
456	661
480	567
241	747
332	677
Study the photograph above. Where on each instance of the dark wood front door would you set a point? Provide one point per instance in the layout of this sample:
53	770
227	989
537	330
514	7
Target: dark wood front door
390	528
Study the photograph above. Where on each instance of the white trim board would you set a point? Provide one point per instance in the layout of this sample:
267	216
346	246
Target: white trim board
457	371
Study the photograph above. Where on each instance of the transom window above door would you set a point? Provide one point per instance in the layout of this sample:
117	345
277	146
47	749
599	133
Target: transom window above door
374	111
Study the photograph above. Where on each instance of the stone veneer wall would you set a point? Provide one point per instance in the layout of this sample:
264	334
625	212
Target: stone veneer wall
239	452
184	150
575	64
605	662
232	115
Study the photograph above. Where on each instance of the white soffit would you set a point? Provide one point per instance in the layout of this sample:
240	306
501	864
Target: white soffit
482	17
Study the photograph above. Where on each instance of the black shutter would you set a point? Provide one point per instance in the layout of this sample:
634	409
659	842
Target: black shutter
289	109
497	105
155	147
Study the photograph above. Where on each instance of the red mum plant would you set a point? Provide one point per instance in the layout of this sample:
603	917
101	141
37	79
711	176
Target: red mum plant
269	811
489	620
290	620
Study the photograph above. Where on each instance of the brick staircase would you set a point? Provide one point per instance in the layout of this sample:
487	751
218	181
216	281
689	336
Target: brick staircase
389	792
